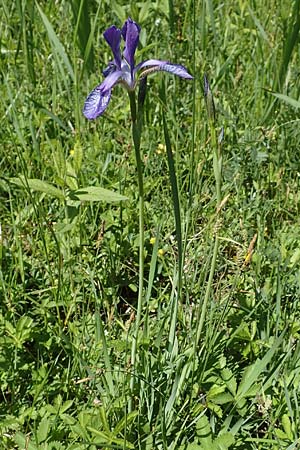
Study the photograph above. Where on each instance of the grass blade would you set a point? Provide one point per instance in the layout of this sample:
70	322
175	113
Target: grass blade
82	30
176	208
290	43
289	100
55	42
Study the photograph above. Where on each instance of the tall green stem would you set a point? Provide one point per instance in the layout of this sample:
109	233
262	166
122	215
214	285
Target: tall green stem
177	215
217	166
137	122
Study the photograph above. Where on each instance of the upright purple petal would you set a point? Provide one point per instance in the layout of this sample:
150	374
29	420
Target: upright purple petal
113	37
96	103
130	33
155	65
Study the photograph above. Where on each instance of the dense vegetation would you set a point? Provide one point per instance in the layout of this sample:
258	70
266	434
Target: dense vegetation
217	347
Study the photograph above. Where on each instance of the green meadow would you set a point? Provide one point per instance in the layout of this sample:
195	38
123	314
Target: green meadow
150	291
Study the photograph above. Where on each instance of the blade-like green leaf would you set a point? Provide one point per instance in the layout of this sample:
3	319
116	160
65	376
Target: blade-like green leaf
56	43
97	194
38	185
258	25
125	421
82	28
254	371
289	100
210	8
110	439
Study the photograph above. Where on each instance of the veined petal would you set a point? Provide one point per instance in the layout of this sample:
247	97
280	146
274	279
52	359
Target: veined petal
130	33
111	80
150	62
96	103
113	37
155	65
176	69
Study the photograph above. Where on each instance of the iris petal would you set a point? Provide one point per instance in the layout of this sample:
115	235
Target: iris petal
165	66
150	62
111	80
130	33
96	103
113	38
176	69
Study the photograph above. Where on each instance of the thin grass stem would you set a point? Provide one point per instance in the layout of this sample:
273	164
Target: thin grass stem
217	168
177	216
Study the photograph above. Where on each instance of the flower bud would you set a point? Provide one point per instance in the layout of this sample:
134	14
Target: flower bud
142	92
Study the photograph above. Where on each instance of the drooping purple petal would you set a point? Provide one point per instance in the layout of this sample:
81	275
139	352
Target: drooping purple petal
113	37
130	33
176	69
96	103
151	62
111	80
155	65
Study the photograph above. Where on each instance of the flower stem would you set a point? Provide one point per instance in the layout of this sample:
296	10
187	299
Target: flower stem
137	123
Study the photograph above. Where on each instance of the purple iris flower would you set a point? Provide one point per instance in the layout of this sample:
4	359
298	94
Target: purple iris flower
122	69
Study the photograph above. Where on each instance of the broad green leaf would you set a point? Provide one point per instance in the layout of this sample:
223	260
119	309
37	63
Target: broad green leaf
67	419
222	399
224	441
204	433
215	408
59	161
295	257
66	405
38	185
77	156
64	227
215	390
229	379
24	329
23	442
281	434
96	194
71	178
287	426
43	430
